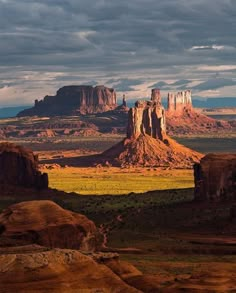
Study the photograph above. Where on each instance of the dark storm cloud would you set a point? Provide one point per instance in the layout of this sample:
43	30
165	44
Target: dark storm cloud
118	39
107	33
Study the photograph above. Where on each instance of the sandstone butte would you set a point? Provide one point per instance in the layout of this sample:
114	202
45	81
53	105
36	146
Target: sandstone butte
182	118
19	167
147	143
215	177
74	100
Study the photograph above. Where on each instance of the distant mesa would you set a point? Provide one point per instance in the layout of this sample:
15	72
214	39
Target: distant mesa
182	118
215	177
45	223
179	102
19	167
74	100
147	143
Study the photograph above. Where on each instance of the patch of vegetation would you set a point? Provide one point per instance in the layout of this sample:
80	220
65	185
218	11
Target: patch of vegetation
112	181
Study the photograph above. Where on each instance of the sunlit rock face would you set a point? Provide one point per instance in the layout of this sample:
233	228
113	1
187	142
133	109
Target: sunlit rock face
215	177
71	100
179	102
45	223
147	117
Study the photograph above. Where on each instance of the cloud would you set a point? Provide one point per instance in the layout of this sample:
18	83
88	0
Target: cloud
212	47
97	40
213	84
160	84
125	85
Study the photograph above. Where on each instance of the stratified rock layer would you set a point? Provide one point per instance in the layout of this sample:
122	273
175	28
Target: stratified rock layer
19	167
57	271
147	117
45	223
182	118
215	177
179	102
71	100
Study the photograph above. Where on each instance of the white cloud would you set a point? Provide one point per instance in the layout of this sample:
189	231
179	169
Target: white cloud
216	68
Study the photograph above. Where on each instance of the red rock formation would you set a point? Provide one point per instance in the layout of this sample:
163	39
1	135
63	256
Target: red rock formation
71	100
147	117
180	102
182	118
45	223
147	143
19	167
156	96
215	177
124	103
56	271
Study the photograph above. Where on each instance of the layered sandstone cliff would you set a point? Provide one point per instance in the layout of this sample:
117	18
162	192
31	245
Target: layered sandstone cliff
71	100
19	167
182	118
147	117
179	102
215	177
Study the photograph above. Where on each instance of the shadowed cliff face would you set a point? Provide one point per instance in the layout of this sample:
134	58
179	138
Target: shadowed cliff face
19	167
215	177
71	100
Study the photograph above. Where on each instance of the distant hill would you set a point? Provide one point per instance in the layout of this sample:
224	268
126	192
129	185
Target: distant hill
9	112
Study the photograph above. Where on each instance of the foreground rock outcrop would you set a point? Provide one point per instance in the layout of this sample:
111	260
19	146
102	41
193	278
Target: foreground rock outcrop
215	177
57	270
147	143
72	100
19	167
45	223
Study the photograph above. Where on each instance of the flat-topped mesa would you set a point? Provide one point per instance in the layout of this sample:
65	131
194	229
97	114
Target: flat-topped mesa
179	102
70	100
147	117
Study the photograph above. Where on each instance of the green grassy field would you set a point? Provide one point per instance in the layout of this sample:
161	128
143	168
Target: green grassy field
117	181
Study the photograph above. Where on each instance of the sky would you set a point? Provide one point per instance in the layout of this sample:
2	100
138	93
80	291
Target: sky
132	46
